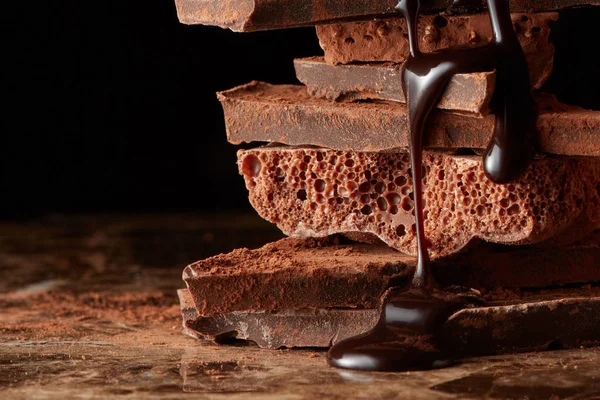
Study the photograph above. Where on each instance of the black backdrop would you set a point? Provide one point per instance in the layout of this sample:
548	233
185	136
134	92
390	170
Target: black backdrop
110	106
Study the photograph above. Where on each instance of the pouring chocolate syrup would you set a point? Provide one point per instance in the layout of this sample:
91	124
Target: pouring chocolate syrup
408	334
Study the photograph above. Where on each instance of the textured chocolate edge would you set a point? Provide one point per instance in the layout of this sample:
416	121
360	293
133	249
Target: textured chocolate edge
287	114
383	40
483	267
465	92
517	328
277	329
513	328
324	281
491	266
254	15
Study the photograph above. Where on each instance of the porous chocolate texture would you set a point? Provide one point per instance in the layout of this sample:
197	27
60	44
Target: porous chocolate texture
386	39
566	319
259	112
465	92
253	15
324	273
324	192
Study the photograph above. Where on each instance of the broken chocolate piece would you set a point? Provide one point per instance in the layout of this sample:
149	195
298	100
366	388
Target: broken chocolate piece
277	329
527	324
466	92
385	40
567	323
260	112
293	273
254	15
326	192
523	266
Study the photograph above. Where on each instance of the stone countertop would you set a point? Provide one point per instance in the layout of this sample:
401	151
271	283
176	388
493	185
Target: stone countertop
88	308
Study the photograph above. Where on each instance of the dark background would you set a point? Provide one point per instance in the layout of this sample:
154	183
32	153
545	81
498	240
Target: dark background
110	106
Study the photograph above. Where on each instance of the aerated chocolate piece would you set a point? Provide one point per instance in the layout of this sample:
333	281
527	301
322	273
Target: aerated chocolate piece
465	92
386	40
260	112
326	192
529	324
254	15
309	273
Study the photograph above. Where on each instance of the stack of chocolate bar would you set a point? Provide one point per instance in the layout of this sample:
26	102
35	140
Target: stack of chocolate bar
336	176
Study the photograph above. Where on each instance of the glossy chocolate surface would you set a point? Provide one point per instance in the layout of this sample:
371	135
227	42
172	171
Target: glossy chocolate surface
408	334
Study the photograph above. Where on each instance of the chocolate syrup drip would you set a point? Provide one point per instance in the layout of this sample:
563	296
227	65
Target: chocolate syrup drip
407	334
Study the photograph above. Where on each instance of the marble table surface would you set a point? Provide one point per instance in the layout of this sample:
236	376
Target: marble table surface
88	309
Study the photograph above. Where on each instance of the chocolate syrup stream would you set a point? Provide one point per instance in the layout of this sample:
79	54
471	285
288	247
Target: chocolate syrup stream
407	335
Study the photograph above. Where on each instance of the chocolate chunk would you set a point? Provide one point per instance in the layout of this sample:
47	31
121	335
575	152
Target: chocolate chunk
260	112
295	274
298	274
532	324
568	323
326	191
466	92
385	40
523	266
254	15
277	329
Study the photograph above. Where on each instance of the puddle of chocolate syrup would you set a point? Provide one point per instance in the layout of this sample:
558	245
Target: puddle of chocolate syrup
407	334
405	337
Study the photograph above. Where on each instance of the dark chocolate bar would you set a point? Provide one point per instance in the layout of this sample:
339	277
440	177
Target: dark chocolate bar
386	40
260	112
293	273
309	273
254	15
465	92
565	323
308	327
528	324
